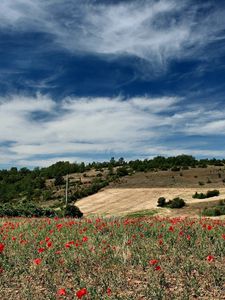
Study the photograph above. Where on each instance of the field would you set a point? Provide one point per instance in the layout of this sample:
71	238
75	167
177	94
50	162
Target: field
142	190
115	258
125	247
116	201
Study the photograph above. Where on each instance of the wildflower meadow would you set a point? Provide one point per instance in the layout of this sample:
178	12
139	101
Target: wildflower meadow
114	258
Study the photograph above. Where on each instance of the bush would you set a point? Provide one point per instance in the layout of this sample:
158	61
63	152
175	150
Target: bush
161	201
212	193
25	210
72	211
59	180
199	195
177	203
175	169
209	194
123	171
214	211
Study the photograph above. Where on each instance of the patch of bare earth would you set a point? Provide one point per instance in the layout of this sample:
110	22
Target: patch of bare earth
120	201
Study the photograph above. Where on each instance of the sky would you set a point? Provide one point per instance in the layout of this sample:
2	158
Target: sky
89	80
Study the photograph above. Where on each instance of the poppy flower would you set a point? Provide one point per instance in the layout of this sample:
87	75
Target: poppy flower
84	239
49	244
2	246
37	261
108	291
210	258
157	268
171	228
40	250
81	293
61	292
153	262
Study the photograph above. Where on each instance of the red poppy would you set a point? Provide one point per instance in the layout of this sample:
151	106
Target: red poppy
153	262
37	261
2	246
171	228
84	239
49	244
209	227
223	236
61	292
157	268
40	250
109	291
81	293
210	258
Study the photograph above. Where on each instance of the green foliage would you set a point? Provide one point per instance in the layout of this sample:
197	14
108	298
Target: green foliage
123	171
212	193
161	201
175	169
175	203
214	211
209	194
17	184
25	210
59	180
72	211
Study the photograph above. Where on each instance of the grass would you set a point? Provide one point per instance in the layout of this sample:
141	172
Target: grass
117	258
142	213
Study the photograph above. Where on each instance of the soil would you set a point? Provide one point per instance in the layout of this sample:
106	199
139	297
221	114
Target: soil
142	190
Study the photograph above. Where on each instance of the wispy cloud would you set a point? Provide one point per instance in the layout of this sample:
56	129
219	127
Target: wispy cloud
154	31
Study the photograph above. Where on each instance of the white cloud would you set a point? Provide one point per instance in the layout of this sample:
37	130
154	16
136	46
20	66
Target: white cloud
80	128
149	29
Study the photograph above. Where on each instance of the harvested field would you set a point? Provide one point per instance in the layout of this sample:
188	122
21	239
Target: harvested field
120	201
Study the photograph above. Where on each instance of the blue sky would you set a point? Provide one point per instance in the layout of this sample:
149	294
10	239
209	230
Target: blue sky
88	80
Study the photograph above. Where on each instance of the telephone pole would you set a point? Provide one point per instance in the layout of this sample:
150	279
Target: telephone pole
67	179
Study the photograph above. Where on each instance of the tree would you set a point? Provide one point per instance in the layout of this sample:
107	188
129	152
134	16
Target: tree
59	180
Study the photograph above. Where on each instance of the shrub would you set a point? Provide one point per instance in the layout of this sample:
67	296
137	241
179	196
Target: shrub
59	180
199	195
212	193
177	203
209	194
161	201
213	211
221	202
72	211
123	171
175	169
25	210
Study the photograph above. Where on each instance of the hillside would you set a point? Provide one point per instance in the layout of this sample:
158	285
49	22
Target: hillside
142	190
124	186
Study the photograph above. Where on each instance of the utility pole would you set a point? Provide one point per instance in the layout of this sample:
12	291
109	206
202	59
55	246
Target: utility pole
67	179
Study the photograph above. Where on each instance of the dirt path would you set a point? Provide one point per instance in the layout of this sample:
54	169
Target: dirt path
118	201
